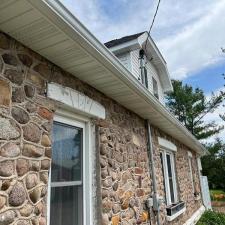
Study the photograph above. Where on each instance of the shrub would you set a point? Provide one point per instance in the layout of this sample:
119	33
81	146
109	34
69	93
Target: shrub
212	218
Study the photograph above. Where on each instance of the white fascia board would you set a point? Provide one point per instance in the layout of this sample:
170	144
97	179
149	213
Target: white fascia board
75	100
167	144
73	28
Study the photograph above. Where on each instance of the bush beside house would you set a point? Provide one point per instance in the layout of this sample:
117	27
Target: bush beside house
212	218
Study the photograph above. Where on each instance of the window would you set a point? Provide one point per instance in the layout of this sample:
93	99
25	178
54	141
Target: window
144	77
191	171
143	71
155	88
168	167
66	188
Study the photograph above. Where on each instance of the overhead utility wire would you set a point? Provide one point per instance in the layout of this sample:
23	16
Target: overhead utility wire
152	22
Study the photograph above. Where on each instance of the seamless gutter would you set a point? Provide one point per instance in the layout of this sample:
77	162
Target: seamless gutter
102	54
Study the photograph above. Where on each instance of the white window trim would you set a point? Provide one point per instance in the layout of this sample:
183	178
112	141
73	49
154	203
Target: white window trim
155	92
191	171
165	170
71	118
75	100
165	144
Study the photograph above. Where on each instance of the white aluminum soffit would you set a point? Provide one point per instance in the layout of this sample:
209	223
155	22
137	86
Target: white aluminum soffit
48	28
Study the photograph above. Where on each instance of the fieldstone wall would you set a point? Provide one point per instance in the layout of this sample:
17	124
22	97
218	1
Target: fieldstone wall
25	145
26	116
184	183
124	169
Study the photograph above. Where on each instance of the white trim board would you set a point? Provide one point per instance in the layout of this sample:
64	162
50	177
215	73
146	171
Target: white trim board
75	100
195	217
167	144
189	154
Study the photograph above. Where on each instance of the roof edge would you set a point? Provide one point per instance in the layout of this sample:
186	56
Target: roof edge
91	44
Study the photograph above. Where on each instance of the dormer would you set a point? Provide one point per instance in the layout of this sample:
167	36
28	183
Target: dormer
140	55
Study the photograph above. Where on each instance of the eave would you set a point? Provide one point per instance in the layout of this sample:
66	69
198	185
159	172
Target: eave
48	28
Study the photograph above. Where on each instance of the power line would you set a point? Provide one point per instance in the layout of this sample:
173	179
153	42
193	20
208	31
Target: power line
157	8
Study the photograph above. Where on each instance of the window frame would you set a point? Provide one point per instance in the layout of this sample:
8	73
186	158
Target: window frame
190	157
69	118
164	153
155	87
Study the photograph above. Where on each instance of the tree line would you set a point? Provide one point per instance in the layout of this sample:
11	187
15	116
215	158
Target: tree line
191	107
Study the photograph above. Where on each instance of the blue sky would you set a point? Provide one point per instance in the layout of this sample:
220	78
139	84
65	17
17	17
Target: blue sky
209	79
189	34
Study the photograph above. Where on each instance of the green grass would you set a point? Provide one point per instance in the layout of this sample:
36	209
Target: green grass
212	218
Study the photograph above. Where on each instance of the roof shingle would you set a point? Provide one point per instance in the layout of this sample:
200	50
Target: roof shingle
122	40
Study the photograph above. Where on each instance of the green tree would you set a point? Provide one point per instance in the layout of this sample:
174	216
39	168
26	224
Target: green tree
223	115
191	106
213	165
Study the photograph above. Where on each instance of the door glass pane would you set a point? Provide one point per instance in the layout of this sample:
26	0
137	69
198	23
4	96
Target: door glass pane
66	205
67	153
170	176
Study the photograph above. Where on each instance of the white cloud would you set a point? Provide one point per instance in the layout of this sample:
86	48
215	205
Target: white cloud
132	18
189	33
198	44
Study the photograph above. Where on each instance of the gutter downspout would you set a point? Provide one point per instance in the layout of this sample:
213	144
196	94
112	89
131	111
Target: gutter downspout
152	167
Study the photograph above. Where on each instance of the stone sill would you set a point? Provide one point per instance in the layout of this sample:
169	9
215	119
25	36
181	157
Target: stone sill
171	218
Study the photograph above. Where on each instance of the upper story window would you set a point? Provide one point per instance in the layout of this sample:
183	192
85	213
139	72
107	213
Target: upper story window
155	88
143	70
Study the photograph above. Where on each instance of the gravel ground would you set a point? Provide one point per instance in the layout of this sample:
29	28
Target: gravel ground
218	206
219	209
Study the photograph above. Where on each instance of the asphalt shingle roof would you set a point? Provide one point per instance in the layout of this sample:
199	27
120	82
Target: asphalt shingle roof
122	40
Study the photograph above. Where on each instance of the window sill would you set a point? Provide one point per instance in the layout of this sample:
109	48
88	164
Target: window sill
181	209
170	218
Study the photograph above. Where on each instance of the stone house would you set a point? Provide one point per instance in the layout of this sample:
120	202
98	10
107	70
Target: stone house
85	138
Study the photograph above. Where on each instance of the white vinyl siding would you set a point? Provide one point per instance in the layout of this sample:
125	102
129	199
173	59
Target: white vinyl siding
130	60
125	59
135	63
151	70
